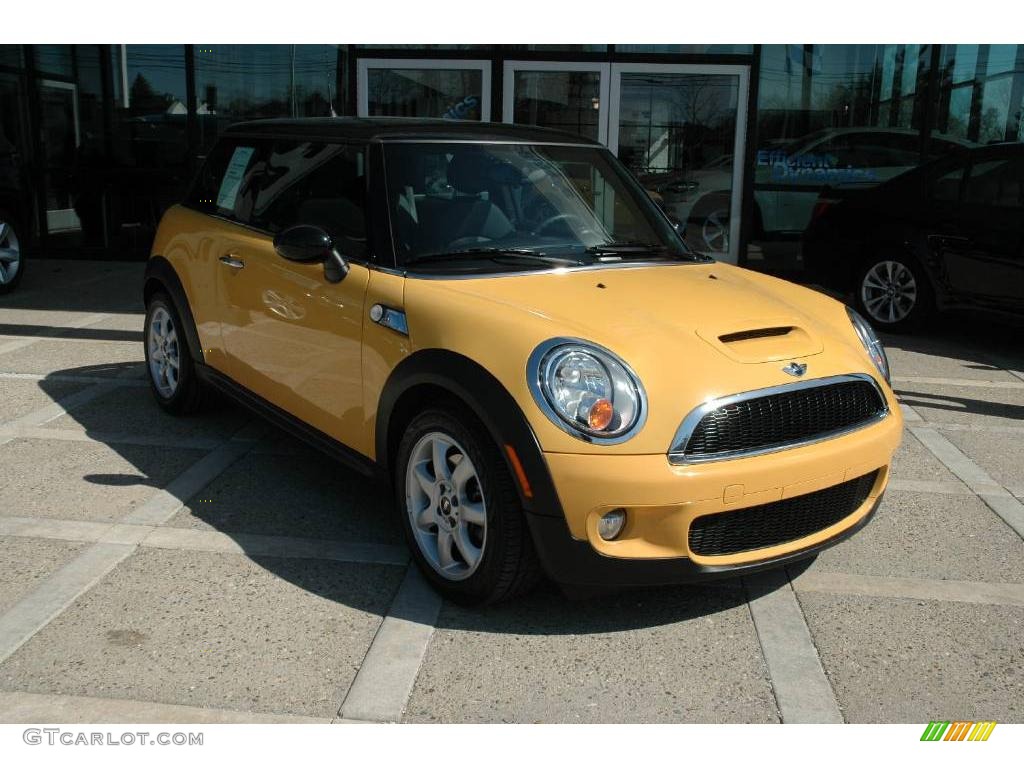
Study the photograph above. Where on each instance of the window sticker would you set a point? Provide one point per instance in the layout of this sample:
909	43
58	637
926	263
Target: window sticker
232	182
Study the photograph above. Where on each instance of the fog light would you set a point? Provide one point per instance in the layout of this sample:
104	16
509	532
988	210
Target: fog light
611	524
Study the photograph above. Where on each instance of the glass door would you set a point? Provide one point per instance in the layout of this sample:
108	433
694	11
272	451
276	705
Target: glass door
58	112
680	129
457	89
569	96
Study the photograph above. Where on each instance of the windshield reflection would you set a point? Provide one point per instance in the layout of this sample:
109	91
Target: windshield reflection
522	206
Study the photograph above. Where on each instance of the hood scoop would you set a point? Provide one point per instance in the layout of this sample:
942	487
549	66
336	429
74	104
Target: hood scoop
755	333
764	341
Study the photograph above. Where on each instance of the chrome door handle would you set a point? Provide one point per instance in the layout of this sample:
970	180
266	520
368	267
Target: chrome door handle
232	261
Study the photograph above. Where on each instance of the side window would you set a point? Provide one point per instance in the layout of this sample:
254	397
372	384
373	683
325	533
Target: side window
996	184
304	182
887	150
944	185
227	182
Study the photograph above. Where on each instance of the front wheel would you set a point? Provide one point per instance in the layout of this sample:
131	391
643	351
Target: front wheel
893	293
460	510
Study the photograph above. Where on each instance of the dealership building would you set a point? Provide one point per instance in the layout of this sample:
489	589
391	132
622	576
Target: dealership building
738	141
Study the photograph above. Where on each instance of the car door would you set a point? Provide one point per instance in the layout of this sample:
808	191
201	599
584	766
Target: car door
292	336
982	253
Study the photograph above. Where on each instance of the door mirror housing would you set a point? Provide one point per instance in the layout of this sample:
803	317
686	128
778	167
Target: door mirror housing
309	244
303	243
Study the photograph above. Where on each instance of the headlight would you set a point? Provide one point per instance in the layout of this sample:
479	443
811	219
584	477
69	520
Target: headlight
586	390
871	343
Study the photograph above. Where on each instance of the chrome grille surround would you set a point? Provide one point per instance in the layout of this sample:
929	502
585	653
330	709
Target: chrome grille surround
677	451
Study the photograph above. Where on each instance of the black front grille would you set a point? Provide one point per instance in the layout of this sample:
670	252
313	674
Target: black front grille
779	521
783	418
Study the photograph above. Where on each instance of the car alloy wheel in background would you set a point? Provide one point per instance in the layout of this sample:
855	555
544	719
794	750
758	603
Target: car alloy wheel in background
714	231
10	253
889	292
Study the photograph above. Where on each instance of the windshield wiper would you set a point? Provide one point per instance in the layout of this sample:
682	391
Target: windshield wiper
621	250
625	249
493	254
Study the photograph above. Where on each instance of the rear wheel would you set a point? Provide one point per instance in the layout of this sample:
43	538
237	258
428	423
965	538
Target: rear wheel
12	252
172	372
893	293
460	510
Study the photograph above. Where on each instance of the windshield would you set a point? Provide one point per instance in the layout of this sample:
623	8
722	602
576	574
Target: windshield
477	207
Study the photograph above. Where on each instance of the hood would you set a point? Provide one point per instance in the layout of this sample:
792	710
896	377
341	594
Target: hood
691	332
726	308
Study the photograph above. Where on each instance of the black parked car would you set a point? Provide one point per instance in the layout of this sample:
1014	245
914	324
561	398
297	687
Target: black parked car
947	234
13	229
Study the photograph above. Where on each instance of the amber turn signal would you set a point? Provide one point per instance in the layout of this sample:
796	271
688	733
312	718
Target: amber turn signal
601	414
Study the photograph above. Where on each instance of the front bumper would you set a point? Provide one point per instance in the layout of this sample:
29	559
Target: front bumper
662	500
573	562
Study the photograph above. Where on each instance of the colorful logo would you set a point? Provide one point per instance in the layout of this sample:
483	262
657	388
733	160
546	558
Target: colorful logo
959	730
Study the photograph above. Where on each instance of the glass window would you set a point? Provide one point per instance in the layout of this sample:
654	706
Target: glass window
151	118
696	49
568	101
313	183
10	56
980	93
427	46
570	47
11	117
996	183
831	115
455	93
54	59
677	133
946	183
514	206
228	182
247	82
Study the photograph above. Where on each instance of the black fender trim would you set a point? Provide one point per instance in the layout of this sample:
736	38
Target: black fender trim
160	273
492	405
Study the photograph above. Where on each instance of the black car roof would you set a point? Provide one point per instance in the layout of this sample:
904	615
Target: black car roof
399	128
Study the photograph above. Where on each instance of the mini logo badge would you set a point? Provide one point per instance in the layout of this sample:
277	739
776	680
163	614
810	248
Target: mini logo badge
795	369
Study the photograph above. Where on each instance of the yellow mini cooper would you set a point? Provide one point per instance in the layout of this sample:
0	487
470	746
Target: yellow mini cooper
498	322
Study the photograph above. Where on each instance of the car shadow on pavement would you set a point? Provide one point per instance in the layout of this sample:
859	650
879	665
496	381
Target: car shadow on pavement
283	488
957	404
987	342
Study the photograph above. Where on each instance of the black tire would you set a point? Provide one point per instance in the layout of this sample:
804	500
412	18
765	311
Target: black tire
190	395
509	566
875	309
14	223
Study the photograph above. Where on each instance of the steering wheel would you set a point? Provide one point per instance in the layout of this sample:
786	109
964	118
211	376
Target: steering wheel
561	217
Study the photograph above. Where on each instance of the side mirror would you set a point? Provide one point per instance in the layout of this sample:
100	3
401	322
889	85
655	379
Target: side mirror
308	244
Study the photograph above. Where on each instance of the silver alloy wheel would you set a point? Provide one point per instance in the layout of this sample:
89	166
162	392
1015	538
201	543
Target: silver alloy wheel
889	291
164	356
10	252
715	231
445	503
